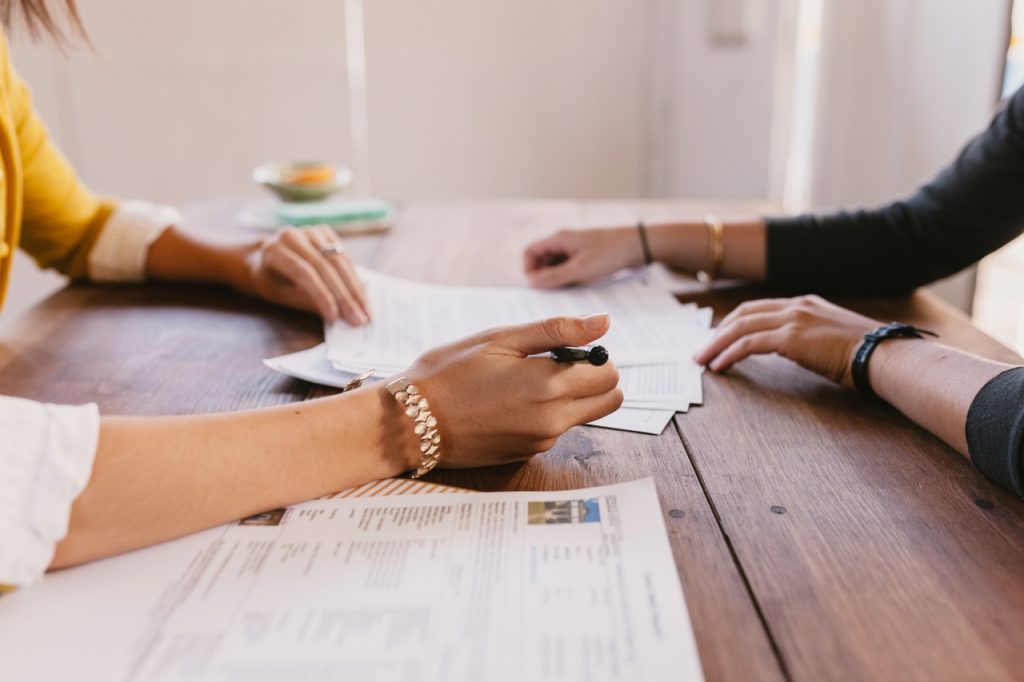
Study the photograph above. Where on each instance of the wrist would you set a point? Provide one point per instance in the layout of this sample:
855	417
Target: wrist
628	243
399	442
687	246
887	360
680	245
237	266
885	335
371	422
180	255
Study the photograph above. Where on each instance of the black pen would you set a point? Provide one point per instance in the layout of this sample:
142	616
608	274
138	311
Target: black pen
595	355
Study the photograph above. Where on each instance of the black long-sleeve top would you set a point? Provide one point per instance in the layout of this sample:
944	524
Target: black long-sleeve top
971	208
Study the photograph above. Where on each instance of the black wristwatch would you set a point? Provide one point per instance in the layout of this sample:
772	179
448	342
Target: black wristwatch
893	330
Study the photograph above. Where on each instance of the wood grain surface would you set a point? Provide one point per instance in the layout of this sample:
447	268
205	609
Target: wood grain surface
874	551
818	535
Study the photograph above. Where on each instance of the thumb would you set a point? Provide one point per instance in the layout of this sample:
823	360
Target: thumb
554	332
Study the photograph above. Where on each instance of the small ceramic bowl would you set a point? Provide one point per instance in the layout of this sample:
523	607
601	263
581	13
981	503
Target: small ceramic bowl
303	180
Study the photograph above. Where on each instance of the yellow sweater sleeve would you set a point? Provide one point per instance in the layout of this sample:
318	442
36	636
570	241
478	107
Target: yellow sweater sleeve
61	219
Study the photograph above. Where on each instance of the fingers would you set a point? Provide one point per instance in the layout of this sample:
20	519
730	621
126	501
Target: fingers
579	411
325	238
729	333
554	332
555	276
808	330
542	252
303	277
763	305
552	262
586	410
757	343
572	410
344	302
582	380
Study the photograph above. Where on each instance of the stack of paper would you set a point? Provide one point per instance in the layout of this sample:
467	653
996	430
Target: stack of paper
386	582
652	338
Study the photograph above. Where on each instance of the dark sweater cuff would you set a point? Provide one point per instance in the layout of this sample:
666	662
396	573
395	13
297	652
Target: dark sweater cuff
995	424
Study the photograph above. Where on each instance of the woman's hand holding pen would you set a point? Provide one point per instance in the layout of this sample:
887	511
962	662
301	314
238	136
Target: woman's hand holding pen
306	268
495	404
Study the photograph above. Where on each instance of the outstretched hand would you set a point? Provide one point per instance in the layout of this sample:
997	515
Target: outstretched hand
809	330
577	256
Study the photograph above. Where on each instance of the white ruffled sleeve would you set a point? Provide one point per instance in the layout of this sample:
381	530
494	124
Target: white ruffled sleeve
46	456
120	252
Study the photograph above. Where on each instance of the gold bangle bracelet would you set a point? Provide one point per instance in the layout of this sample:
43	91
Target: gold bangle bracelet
424	423
716	246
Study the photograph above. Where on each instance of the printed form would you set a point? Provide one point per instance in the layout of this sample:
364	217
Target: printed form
572	585
413	317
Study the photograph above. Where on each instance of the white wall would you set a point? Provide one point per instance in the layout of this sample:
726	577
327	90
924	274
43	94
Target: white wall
472	98
467	98
579	98
903	84
716	97
184	97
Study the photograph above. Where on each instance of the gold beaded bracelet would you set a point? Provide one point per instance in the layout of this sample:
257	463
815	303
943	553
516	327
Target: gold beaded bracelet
409	398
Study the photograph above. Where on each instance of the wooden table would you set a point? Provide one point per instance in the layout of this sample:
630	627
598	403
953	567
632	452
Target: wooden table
818	535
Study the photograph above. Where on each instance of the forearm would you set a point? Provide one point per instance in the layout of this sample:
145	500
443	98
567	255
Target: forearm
932	384
687	246
970	209
181	255
973	404
155	479
576	256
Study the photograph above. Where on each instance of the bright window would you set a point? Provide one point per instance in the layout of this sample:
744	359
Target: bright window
998	307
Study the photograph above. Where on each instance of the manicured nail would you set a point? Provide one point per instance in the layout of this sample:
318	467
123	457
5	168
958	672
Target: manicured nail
596	321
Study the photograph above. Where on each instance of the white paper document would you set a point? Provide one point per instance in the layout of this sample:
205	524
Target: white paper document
413	317
311	365
571	585
637	420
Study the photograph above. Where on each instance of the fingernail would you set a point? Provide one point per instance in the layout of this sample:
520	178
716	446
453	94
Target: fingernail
595	322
